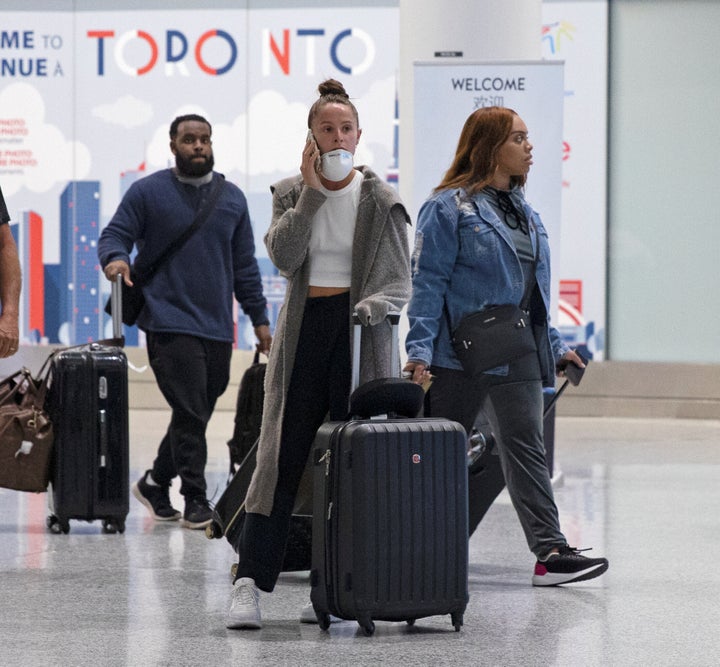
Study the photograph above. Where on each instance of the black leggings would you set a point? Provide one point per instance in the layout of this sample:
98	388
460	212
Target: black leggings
320	384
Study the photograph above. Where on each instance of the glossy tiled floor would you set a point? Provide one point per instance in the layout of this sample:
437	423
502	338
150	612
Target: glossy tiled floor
645	493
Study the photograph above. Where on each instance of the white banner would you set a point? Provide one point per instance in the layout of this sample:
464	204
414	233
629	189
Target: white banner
577	34
446	94
86	100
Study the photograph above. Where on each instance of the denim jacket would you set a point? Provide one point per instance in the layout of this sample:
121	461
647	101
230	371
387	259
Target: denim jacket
464	261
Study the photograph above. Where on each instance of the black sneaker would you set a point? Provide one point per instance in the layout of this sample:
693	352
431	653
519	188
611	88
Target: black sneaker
567	566
156	499
198	513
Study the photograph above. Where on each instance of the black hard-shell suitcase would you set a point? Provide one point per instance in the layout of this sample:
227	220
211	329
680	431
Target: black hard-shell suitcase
88	398
389	520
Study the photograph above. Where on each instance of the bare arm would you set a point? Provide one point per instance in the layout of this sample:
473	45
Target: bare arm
10	285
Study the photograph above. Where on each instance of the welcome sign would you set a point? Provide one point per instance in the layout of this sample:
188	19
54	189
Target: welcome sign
446	94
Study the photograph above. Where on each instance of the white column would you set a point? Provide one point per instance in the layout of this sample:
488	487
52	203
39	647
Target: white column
478	30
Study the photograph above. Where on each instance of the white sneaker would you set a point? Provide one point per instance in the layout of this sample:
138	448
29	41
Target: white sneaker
307	615
244	605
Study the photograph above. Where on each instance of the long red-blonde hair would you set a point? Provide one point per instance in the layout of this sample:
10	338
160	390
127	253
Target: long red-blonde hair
475	161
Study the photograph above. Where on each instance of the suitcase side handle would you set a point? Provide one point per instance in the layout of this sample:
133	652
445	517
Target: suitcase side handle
116	306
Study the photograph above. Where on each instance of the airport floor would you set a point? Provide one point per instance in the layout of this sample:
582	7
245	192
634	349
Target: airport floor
644	493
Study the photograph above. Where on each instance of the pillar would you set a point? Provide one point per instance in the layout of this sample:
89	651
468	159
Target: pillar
478	30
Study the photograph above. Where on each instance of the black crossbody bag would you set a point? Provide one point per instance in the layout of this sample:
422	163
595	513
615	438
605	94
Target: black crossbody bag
133	299
496	335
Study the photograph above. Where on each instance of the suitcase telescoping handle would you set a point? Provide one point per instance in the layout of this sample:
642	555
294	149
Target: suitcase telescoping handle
116	306
394	319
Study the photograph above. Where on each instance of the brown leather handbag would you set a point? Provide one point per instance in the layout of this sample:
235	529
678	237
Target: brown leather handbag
26	432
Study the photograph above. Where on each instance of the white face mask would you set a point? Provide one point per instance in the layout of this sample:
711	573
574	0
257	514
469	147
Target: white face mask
336	165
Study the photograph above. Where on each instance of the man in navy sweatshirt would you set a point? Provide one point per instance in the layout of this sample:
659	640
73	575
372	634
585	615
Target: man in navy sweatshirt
188	312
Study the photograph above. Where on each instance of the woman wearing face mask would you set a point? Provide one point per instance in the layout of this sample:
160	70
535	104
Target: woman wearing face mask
339	236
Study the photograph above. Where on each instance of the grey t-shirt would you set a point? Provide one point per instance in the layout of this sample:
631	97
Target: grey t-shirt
511	212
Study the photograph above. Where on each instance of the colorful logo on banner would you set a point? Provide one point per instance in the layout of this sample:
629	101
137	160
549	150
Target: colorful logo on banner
215	52
176	47
555	34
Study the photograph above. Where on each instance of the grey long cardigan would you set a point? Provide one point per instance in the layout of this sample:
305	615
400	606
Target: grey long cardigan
380	283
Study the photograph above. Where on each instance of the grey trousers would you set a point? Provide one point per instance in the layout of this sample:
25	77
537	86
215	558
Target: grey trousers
513	405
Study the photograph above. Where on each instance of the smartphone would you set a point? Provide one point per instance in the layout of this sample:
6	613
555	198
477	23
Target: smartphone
311	139
574	373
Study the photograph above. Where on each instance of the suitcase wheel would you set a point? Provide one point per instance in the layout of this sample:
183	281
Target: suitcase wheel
112	526
410	621
57	525
213	531
457	620
368	627
323	620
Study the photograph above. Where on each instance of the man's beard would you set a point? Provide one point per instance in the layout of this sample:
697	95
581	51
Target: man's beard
191	167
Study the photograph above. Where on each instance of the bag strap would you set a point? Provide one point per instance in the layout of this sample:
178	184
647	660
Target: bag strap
34	388
530	286
202	215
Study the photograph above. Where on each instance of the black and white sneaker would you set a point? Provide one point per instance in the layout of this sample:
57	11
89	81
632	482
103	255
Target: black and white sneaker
156	499
566	567
198	513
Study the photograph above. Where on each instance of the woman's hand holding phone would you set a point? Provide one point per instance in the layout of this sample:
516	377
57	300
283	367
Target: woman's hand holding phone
572	366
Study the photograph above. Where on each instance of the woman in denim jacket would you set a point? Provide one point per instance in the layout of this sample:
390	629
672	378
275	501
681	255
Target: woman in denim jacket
478	244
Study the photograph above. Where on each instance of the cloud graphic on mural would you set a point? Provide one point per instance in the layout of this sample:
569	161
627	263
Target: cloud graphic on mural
377	113
127	111
279	129
41	156
278	133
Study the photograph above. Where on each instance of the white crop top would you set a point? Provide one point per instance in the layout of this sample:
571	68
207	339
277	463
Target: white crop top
331	239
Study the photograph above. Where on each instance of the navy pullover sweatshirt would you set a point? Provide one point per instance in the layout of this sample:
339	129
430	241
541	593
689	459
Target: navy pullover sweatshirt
192	292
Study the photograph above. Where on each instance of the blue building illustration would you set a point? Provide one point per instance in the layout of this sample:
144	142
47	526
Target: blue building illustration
80	300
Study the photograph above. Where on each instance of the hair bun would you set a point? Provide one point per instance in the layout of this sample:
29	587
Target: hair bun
332	87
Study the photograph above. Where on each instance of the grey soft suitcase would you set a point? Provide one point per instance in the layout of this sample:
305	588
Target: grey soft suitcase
390	520
88	399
